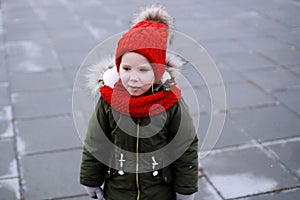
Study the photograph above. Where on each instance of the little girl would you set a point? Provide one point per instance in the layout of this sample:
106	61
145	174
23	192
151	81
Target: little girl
143	116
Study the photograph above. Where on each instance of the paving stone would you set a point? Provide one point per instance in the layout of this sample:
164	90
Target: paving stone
52	18
243	61
8	167
220	28
231	135
206	191
10	5
81	197
113	24
254	18
231	33
48	176
290	99
268	123
72	59
9	189
264	43
37	81
100	34
73	44
89	11
245	172
78	39
244	95
290	36
288	154
3	72
195	78
70	76
74	33
284	13
229	76
24	25
42	135
13	13
296	70
4	94
284	57
6	127
196	100
286	195
232	10
192	75
3	67
28	35
55	10
42	104
25	63
272	80
224	47
44	4
29	48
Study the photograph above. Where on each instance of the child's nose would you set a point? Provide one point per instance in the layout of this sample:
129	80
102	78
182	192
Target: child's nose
134	76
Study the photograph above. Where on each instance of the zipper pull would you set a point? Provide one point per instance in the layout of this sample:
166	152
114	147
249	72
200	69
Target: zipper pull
121	172
155	173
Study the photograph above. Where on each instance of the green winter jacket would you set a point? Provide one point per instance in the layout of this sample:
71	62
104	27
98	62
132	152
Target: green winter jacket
117	143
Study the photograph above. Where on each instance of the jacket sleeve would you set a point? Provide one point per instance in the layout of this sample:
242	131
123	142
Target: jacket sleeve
186	166
92	171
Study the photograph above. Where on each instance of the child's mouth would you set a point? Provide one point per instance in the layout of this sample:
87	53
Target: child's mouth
134	87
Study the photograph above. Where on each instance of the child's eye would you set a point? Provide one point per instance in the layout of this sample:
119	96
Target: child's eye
126	68
144	70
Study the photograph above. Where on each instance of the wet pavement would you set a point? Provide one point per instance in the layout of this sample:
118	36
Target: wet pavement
255	44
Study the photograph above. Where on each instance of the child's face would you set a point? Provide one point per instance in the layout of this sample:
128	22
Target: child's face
136	73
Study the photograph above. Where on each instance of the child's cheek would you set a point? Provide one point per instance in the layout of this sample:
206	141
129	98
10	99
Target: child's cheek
124	77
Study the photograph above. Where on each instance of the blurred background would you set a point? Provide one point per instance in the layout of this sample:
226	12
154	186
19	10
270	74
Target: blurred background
254	43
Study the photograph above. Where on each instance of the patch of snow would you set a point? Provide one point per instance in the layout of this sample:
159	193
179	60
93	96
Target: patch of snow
5	113
94	3
298	172
14	97
13	172
21	146
31	67
247	14
9	132
4	84
11	185
32	49
96	32
236	185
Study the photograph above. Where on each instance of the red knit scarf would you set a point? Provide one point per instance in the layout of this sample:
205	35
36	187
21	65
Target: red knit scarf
143	106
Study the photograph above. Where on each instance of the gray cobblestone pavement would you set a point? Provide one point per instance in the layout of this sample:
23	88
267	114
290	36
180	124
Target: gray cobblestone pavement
255	44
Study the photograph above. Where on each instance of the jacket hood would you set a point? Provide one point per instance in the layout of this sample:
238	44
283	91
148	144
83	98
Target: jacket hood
105	72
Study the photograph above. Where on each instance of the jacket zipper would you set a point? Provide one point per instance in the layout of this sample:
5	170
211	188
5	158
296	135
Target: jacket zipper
137	161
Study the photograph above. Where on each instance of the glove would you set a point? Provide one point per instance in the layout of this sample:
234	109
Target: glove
95	192
184	196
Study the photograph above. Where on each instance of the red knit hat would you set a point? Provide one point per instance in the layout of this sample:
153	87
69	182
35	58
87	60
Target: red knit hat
148	37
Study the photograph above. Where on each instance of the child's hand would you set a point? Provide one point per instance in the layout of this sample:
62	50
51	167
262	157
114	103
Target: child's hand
95	192
184	196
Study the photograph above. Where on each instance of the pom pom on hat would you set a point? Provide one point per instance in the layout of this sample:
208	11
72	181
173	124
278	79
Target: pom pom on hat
156	13
149	37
